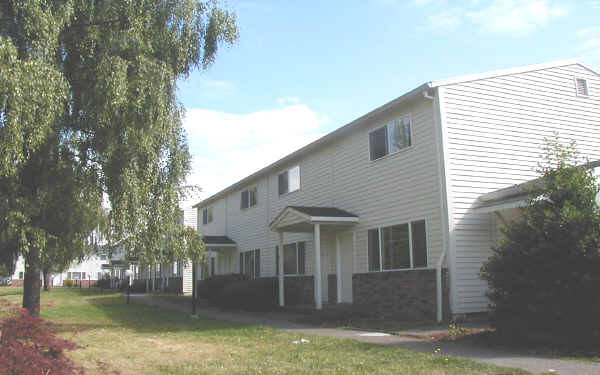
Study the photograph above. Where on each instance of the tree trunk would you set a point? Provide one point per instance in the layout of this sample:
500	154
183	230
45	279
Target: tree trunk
31	282
46	280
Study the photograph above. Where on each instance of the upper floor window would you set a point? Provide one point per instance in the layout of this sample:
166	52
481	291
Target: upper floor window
248	198
398	247
207	215
581	86
250	263
390	138
289	180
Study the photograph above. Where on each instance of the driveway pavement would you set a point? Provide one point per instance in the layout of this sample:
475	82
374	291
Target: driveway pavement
506	358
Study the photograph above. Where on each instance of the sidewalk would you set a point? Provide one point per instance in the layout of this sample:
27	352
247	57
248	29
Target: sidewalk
488	355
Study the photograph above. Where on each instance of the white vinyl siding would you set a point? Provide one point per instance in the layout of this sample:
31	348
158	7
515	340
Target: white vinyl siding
395	189
494	131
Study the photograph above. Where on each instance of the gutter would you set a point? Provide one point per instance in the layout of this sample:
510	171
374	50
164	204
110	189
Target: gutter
441	170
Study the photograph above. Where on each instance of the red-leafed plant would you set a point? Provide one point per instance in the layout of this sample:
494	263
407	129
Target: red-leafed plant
30	346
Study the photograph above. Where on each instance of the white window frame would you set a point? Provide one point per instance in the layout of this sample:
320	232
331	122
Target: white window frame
248	206
288	172
388	154
209	215
242	265
297	259
587	87
410	246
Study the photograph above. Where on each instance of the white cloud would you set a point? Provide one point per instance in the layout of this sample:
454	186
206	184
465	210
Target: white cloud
594	3
516	17
227	147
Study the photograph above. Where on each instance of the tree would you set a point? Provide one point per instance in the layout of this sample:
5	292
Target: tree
544	275
88	93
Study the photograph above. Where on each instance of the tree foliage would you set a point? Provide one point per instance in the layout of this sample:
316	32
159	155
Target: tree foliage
88	109
544	275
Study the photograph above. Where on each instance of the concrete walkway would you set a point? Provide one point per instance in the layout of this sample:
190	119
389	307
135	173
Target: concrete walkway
285	322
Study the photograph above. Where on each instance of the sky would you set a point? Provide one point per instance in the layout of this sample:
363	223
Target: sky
302	69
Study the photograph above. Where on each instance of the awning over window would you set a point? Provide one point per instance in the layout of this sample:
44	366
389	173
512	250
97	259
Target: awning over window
300	219
218	241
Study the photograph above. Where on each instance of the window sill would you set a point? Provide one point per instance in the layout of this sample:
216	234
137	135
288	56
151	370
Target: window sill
288	193
392	154
404	269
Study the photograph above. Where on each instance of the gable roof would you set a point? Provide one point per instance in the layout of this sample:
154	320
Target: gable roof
413	94
315	214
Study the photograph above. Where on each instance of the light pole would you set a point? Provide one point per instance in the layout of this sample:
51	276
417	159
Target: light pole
128	274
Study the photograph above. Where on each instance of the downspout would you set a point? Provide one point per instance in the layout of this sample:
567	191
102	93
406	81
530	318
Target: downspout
438	267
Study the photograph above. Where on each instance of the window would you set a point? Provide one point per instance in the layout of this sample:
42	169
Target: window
250	263
581	87
21	275
398	247
390	138
212	266
207	215
74	275
289	180
248	198
294	259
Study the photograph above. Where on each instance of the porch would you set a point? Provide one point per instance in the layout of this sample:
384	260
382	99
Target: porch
327	224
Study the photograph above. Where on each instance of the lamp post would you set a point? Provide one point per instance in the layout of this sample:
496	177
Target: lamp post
128	274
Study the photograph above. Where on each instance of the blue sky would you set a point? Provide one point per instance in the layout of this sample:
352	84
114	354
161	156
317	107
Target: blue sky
304	68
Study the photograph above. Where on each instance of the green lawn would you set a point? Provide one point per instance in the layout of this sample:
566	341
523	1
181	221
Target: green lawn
142	339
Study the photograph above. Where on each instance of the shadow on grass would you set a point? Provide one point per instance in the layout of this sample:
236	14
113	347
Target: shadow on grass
141	318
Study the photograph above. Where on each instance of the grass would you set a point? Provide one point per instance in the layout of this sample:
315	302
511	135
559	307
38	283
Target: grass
142	339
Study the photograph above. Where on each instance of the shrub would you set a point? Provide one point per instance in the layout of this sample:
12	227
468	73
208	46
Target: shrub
29	345
210	288
68	283
544	275
252	295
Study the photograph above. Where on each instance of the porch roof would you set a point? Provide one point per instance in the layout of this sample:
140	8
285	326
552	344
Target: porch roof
301	218
516	195
218	241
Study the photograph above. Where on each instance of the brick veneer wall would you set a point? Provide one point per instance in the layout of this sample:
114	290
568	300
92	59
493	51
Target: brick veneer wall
299	290
409	294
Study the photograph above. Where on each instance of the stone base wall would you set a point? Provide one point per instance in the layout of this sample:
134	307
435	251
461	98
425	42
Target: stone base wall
299	290
409	294
332	287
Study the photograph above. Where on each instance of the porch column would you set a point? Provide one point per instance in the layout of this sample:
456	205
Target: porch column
280	276
317	273
338	270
